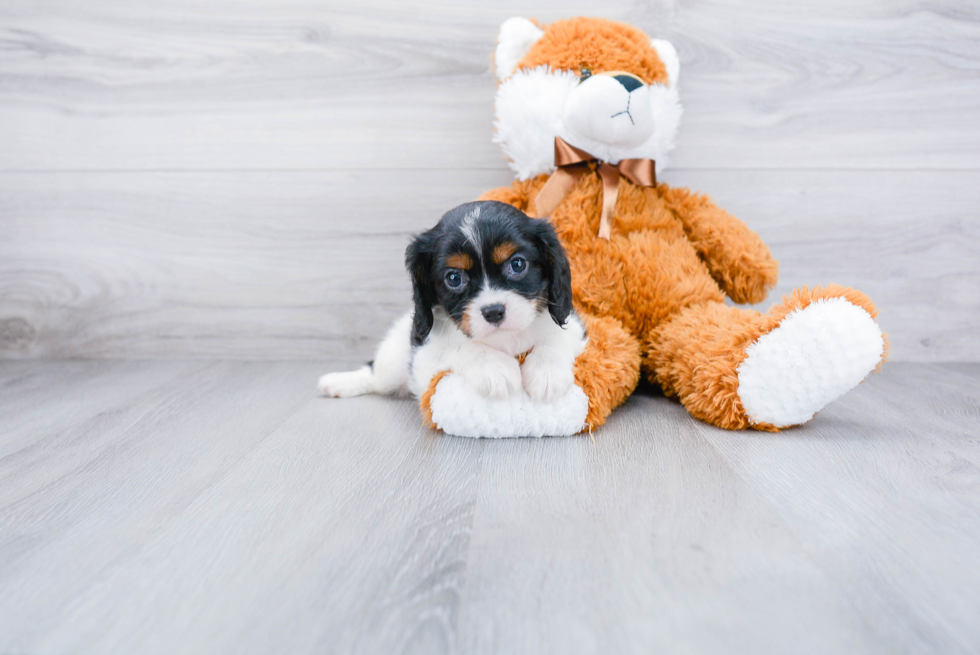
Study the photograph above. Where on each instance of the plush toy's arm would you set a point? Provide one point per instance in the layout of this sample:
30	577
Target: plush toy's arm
735	255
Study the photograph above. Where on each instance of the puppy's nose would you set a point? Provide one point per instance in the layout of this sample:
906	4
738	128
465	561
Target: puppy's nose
493	313
628	81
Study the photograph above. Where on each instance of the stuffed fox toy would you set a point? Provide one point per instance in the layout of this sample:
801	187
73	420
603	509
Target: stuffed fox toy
587	111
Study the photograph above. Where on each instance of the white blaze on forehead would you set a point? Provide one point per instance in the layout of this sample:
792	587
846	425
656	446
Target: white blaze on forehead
468	227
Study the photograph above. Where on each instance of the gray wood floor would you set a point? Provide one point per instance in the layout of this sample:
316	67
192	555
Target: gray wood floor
220	507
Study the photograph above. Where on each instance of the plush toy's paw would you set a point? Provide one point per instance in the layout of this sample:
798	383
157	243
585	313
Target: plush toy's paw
815	355
453	406
494	376
347	384
546	380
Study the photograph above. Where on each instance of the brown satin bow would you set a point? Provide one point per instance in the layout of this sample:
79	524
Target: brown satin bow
572	163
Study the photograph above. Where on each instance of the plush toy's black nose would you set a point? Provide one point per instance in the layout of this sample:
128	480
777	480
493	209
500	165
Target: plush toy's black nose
628	81
493	313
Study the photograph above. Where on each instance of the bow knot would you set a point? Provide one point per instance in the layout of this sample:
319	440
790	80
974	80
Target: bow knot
572	163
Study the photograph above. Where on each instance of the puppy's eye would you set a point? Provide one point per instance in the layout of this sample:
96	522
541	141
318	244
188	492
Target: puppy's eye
586	73
516	267
455	279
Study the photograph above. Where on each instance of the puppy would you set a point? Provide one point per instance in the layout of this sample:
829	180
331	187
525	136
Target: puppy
489	284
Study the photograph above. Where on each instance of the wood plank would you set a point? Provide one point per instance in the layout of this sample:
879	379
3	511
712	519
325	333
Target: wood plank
268	265
642	540
84	394
226	84
111	481
235	512
909	241
882	490
309	264
233	506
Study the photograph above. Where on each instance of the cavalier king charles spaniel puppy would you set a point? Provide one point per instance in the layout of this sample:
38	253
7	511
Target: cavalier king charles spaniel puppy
490	285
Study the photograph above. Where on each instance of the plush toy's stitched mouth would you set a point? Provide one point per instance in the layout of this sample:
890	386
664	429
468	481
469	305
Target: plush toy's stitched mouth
626	111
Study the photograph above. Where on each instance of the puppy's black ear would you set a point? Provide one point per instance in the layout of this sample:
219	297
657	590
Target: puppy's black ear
419	258
558	271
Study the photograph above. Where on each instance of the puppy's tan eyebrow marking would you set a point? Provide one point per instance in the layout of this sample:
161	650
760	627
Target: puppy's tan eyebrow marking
503	252
459	260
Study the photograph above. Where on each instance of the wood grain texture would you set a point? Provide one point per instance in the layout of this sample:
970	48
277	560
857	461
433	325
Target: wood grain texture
915	474
161	507
238	179
645	540
221	84
307	265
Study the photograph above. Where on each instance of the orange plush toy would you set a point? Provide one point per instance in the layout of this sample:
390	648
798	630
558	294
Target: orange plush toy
584	108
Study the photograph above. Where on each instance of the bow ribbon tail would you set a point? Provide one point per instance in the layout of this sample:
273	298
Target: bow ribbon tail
610	189
559	185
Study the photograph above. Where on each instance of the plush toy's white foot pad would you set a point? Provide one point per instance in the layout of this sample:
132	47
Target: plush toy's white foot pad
814	356
457	409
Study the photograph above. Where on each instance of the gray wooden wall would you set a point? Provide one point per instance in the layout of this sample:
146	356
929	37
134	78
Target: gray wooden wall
238	178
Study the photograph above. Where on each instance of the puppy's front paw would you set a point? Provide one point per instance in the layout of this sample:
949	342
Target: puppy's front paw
496	377
546	380
345	385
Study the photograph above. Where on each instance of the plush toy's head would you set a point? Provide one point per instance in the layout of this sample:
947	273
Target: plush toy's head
602	86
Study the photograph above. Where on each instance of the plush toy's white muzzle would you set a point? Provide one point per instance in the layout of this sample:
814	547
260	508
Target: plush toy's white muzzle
612	108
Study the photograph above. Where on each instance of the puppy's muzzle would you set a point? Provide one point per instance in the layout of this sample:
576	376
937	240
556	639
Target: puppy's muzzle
493	314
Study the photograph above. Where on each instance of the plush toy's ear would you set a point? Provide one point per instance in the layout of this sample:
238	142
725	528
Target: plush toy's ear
668	55
515	38
418	261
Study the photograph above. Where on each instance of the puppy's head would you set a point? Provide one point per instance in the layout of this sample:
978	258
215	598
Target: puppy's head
491	268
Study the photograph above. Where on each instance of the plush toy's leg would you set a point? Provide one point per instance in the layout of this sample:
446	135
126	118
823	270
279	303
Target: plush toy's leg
609	368
737	368
606	373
